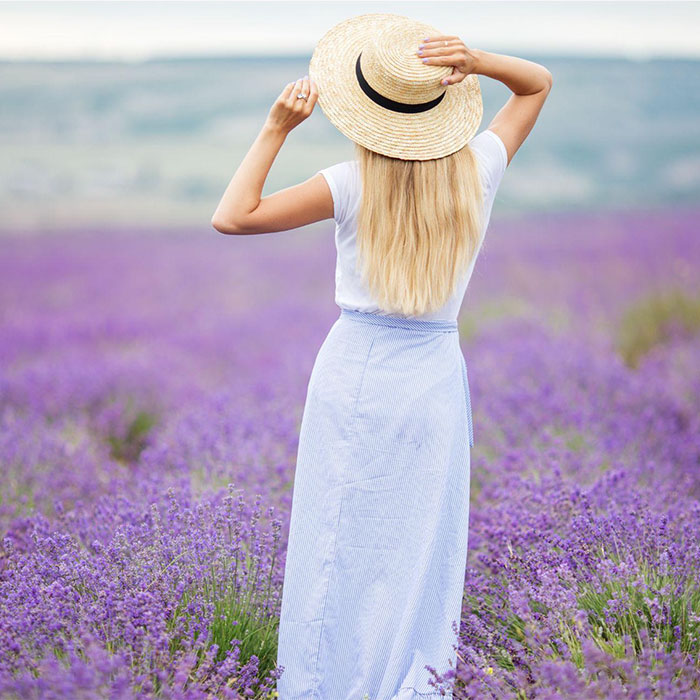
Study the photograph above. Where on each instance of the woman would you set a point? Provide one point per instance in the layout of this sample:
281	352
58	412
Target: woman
375	565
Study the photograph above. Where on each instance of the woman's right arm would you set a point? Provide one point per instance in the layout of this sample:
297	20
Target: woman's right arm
530	83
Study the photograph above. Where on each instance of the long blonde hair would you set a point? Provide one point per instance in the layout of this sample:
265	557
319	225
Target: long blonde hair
418	227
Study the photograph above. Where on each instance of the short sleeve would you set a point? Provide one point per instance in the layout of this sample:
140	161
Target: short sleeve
341	181
492	155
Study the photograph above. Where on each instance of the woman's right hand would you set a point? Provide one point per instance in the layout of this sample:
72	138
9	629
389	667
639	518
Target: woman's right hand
289	111
455	54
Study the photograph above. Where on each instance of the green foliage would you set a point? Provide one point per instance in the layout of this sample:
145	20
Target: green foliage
668	610
492	311
655	319
237	619
128	447
240	592
664	604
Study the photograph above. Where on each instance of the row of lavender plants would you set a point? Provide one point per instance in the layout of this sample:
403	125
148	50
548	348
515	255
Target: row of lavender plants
151	388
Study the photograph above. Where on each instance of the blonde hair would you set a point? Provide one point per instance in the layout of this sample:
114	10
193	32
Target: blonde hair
418	227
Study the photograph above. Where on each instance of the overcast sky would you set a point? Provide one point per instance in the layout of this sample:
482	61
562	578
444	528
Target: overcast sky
136	30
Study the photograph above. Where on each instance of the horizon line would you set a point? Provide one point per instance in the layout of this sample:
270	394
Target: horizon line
631	57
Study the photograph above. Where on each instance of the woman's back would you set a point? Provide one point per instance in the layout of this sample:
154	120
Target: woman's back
344	182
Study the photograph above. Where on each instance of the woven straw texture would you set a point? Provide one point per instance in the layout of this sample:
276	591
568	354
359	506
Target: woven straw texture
392	67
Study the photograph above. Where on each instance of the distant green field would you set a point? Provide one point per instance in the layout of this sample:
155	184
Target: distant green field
156	142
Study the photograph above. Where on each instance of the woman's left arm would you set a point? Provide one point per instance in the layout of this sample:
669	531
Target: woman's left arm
241	209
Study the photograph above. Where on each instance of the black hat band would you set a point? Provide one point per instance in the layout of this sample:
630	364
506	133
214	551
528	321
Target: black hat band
392	104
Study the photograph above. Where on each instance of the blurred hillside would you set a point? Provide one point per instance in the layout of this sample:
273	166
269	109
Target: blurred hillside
156	142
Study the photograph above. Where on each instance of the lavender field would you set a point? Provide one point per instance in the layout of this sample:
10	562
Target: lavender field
151	389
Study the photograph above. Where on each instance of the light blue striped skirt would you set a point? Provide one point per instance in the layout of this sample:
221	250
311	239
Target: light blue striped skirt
375	564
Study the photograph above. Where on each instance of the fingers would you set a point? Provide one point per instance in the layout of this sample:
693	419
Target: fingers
450	58
456	77
445	50
303	90
441	45
313	94
441	38
292	97
440	50
296	104
455	55
287	91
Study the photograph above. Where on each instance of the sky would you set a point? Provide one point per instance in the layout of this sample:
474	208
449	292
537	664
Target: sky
131	30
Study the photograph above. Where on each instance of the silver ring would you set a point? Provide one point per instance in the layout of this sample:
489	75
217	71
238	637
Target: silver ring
301	96
445	42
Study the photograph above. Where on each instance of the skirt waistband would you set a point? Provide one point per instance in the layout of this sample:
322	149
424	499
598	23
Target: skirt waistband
416	324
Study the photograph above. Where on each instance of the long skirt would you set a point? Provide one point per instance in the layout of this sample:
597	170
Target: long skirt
376	558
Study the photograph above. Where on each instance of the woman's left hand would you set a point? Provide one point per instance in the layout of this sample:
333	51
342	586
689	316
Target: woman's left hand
289	110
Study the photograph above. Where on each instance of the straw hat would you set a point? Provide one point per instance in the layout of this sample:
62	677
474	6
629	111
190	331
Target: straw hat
375	89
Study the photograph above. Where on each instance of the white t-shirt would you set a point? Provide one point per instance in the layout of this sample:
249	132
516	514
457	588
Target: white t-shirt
344	182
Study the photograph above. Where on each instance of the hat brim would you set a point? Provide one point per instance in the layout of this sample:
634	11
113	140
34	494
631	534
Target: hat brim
435	133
